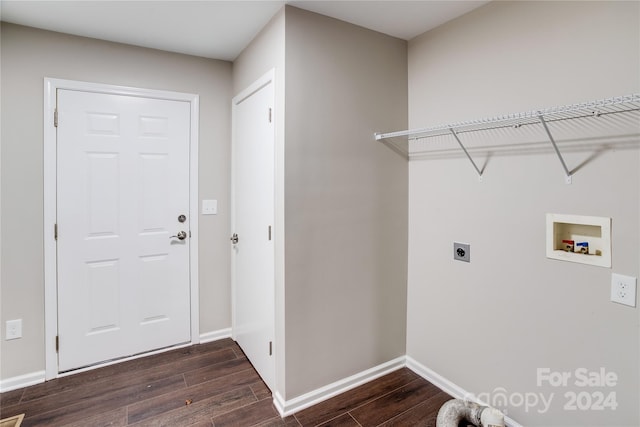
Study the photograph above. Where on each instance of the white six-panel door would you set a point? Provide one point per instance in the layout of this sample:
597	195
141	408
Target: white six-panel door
122	183
253	158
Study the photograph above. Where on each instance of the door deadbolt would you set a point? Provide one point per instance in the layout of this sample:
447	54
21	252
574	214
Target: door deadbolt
182	218
234	239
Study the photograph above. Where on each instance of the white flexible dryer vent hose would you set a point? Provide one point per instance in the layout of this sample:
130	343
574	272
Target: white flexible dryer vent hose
456	410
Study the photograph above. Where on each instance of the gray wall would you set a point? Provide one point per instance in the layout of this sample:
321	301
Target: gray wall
492	323
345	201
29	55
346	272
341	253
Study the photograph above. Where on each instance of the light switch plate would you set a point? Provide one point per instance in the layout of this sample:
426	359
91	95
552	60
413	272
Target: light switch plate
14	329
209	207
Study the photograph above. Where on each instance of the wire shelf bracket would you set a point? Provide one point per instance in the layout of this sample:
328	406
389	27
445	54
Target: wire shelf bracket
475	166
557	150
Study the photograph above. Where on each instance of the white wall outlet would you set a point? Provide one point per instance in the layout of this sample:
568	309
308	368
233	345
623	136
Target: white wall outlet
14	329
623	289
209	207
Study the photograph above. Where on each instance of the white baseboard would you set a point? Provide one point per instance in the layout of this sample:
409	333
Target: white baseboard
436	379
215	335
39	377
289	407
449	387
21	381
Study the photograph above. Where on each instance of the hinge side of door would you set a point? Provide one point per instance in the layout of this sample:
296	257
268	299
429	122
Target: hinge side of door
55	231
57	343
270	348
270	115
269	232
55	118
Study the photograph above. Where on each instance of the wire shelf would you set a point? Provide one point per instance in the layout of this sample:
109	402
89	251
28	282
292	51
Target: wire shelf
615	116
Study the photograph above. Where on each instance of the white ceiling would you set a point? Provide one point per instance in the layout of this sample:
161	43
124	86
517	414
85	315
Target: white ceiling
218	29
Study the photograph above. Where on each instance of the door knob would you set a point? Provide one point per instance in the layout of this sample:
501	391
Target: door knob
181	235
234	238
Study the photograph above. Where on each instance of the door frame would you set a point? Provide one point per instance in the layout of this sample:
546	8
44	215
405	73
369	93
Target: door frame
51	86
266	79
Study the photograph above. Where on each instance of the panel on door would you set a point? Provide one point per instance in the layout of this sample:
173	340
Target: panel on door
123	180
253	253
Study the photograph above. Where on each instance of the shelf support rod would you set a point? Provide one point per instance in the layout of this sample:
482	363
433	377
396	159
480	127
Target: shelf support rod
466	152
555	147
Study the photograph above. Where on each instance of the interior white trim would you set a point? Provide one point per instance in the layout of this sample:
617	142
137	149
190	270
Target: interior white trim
449	387
215	335
38	377
51	85
436	379
21	381
288	407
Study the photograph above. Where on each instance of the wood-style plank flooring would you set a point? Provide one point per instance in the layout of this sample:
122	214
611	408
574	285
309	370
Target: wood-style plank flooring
211	385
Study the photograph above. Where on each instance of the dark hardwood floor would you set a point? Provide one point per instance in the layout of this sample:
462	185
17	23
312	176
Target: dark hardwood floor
211	385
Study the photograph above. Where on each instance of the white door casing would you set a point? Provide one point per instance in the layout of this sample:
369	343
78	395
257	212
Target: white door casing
253	215
117	205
